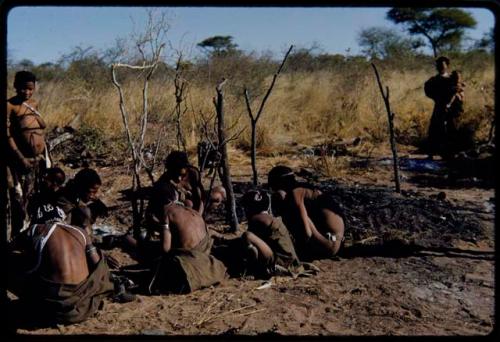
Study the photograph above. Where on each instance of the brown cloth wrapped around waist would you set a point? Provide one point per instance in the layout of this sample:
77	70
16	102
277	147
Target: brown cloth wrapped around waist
186	270
70	303
278	238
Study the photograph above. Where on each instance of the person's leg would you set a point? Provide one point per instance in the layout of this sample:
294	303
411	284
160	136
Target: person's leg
332	226
261	252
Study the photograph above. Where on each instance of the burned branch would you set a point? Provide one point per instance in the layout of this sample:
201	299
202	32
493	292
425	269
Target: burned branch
254	119
390	117
226	174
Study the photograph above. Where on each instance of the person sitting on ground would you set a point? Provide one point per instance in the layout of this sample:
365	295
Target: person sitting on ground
186	178
313	218
185	262
217	197
79	199
67	278
267	236
52	181
27	153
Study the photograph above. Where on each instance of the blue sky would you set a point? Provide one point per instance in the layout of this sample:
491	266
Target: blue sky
43	34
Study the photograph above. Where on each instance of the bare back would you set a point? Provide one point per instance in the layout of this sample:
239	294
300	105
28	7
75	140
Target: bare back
63	259
186	225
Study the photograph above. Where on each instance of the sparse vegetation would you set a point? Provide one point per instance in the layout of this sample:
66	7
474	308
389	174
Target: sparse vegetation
340	100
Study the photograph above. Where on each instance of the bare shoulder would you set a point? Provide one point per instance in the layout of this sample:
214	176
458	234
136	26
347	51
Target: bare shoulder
299	193
33	103
11	106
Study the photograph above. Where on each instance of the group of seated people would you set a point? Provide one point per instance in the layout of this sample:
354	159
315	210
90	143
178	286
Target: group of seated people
66	276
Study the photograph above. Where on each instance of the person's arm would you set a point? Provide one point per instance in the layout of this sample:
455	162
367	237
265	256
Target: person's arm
93	256
308	225
198	200
166	236
429	89
311	232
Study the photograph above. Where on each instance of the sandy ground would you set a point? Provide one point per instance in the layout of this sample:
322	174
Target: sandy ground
375	289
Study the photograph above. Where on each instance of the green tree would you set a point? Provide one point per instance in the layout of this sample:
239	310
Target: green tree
487	42
25	64
381	42
218	45
442	27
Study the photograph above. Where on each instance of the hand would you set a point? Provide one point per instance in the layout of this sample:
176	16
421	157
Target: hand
98	208
28	164
111	261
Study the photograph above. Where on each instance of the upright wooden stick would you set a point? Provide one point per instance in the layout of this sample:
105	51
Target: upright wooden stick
392	139
226	174
254	119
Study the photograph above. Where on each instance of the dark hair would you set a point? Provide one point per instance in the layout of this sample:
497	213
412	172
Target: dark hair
56	174
279	176
22	77
48	213
256	200
176	160
163	193
443	59
86	178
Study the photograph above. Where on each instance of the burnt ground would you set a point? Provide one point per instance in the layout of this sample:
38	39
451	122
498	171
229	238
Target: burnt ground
416	263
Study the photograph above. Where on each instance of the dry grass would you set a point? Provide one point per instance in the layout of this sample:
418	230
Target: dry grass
304	107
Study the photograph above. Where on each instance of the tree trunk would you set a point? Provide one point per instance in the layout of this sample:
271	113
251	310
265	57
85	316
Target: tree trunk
226	174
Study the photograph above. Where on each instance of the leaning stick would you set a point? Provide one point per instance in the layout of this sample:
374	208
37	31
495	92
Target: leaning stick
390	116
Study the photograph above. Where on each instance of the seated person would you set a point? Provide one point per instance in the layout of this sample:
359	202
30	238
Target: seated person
79	199
217	197
67	277
267	235
52	181
185	262
313	218
186	178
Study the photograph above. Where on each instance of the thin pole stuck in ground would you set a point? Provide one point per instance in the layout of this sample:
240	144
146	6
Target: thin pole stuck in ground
392	139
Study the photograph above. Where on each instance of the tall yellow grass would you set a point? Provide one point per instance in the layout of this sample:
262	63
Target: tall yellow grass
303	107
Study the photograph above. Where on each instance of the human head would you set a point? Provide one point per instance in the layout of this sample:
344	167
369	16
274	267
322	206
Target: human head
175	162
442	64
256	201
455	76
54	178
280	177
217	196
24	83
164	193
47	213
88	183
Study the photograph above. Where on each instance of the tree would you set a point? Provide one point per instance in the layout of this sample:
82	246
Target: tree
442	27
25	64
487	42
150	45
381	42
218	45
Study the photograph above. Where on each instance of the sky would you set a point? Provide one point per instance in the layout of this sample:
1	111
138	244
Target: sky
44	34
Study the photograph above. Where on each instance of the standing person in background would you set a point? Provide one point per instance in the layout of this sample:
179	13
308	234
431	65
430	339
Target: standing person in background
28	154
447	91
